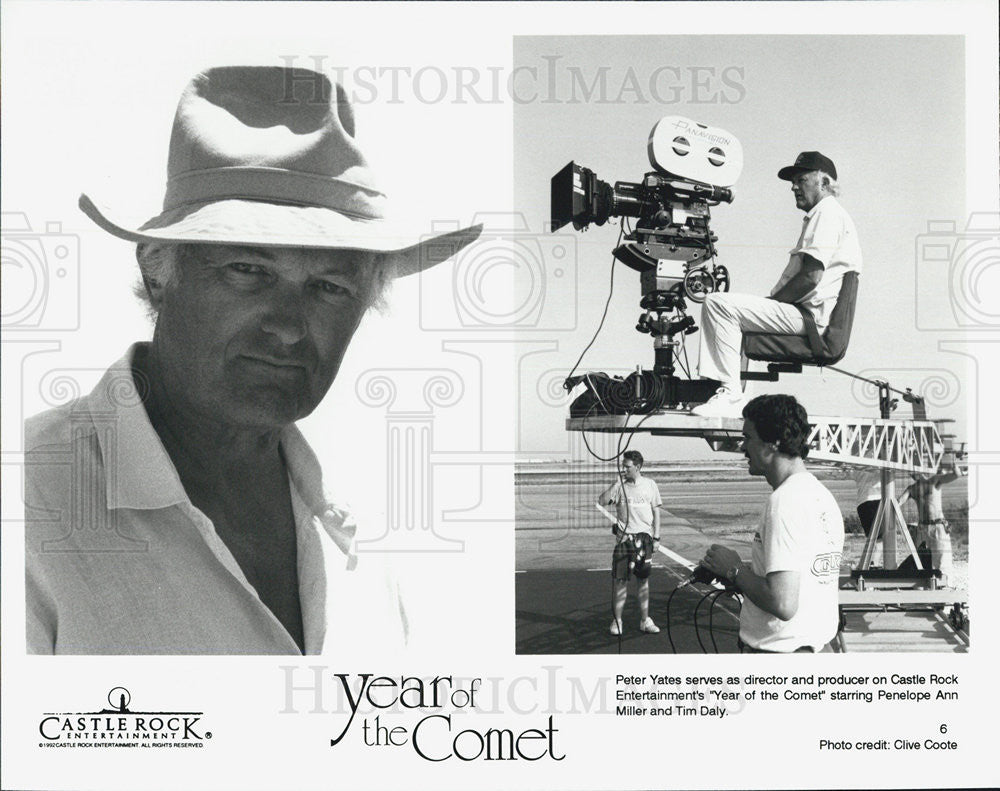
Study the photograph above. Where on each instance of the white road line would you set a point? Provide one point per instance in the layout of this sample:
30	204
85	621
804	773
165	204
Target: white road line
677	558
669	553
673	556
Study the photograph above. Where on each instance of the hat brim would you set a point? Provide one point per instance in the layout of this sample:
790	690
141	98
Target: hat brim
790	172
259	224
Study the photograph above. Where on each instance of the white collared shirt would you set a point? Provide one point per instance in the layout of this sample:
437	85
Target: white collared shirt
829	236
119	561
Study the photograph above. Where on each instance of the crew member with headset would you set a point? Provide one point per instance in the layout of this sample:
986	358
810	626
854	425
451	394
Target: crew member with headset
790	585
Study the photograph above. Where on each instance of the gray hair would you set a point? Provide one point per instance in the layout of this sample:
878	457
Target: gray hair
829	183
160	263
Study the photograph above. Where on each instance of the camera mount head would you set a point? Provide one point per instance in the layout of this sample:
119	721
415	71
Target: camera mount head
671	243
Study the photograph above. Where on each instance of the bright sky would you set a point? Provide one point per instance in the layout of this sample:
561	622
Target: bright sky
889	111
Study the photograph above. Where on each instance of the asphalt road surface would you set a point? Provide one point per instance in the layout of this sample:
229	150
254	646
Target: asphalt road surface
563	558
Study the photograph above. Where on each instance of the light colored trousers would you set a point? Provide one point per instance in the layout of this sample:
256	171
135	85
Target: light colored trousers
724	319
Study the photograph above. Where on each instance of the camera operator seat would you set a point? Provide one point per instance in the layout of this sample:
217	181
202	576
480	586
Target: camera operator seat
788	353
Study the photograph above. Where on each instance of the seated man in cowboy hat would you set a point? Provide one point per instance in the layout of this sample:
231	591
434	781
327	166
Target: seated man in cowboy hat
176	508
827	248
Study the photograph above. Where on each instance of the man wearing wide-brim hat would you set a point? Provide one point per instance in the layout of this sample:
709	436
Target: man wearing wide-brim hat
827	249
181	510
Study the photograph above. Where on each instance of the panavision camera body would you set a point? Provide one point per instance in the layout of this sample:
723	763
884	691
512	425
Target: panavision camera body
694	168
670	243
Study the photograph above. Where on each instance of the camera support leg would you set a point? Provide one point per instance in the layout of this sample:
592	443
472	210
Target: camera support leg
663	356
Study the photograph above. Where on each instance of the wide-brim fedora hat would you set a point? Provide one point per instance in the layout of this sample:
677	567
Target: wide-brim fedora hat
266	156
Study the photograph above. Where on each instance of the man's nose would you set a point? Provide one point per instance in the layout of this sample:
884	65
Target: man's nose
285	317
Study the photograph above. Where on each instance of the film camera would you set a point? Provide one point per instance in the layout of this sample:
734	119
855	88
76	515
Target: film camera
670	244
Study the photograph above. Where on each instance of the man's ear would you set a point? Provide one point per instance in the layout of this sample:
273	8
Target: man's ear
154	289
155	292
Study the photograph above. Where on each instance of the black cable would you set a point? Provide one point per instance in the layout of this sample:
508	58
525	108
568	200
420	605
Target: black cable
622	431
697	629
670	598
738	598
711	614
620	537
687	363
620	534
711	609
583	433
604	315
684	365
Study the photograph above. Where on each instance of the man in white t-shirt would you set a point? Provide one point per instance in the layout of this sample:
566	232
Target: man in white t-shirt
827	249
637	506
790	585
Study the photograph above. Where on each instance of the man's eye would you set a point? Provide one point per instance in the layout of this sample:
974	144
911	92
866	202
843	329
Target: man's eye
331	289
246	269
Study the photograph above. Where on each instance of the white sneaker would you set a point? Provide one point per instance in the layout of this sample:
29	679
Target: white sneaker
616	628
725	403
649	626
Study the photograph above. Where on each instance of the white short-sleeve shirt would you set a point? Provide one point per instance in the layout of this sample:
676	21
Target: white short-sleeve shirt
829	236
635	507
802	531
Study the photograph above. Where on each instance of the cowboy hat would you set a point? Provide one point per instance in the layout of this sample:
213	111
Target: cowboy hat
265	156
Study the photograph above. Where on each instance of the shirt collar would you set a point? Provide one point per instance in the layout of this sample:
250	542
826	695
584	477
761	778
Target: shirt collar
814	209
139	473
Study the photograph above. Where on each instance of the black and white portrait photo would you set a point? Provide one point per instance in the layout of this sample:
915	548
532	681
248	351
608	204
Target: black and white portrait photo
373	394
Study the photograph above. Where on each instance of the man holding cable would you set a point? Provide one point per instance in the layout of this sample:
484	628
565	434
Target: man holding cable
637	502
790	585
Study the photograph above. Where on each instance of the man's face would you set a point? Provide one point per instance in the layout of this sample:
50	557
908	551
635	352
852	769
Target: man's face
630	470
757	451
252	338
808	189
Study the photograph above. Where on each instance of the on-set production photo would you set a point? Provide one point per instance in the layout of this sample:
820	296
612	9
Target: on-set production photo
751	442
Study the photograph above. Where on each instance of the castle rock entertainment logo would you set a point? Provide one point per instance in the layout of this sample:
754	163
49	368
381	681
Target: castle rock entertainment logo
121	726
